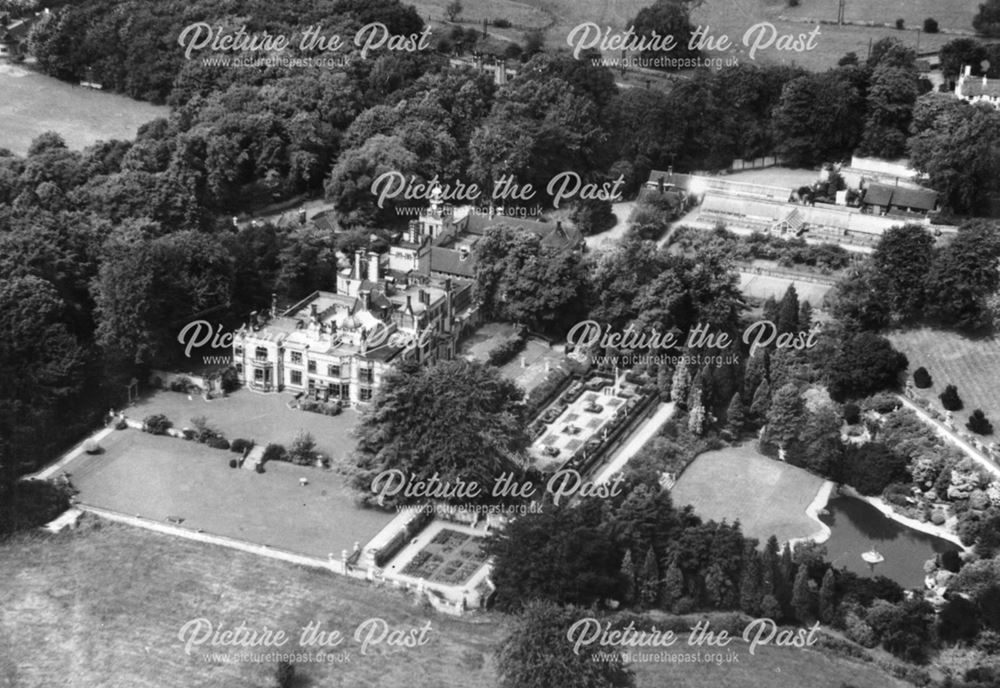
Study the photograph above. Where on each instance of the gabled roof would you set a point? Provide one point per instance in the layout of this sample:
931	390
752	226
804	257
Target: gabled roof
900	196
973	88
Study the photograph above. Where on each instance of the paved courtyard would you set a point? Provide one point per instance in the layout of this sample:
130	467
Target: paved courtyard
163	478
249	415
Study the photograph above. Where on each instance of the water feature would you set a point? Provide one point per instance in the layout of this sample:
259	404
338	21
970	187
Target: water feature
858	527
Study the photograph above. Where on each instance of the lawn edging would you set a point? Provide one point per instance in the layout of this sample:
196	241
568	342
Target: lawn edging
817	505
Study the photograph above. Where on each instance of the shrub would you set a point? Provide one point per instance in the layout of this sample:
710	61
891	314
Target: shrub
284	674
938	517
921	378
204	433
930	25
900	24
233	463
979	424
121	424
950	399
157	424
504	353
501	23
230	380
852	414
259	468
332	408
188	433
274	452
240	445
218	443
303	450
181	384
882	402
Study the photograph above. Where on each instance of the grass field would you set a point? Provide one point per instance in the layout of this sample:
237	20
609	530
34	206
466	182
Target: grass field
767	496
763	286
261	417
161	477
103	607
972	365
950	14
33	103
732	18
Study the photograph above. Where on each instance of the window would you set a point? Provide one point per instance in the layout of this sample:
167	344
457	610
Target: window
296	357
297	377
366	375
239	368
312	384
238	351
333	371
312	366
260	353
365	394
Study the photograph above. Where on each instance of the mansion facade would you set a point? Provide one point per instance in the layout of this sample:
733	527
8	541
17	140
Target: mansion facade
339	345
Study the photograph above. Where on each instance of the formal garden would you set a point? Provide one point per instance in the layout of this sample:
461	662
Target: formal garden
584	419
450	558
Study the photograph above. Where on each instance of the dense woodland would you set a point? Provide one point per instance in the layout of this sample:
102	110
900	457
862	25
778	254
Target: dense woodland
104	252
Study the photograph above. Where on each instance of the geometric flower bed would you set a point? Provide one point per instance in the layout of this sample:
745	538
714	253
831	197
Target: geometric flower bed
450	558
577	423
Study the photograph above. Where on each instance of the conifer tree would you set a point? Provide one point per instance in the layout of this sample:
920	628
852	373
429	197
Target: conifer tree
827	597
681	385
736	413
628	573
673	586
761	401
649	590
788	311
803	597
751	593
805	316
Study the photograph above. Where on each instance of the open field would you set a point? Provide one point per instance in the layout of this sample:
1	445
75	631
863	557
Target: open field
950	14
972	365
104	606
33	103
260	417
731	18
159	477
767	496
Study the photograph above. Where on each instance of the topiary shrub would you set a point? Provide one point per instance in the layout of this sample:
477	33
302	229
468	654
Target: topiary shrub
930	25
979	424
233	463
274	452
157	424
900	24
259	468
218	443
921	378
938	517
950	399
501	23
240	445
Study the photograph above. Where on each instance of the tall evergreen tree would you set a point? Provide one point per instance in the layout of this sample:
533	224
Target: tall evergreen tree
681	385
827	597
770	309
673	586
649	587
751	583
761	401
803	597
788	311
736	413
628	573
784	416
805	316
771	567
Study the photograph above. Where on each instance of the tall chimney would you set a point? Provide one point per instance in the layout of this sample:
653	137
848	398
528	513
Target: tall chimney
447	284
373	267
409	304
358	257
366	299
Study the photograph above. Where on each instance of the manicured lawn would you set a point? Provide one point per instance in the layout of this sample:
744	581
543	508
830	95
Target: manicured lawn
950	14
763	286
767	496
33	103
261	417
103	607
160	477
972	365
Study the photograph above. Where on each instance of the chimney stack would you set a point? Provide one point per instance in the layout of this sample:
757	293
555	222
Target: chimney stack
373	267
313	311
358	256
409	304
423	297
366	299
447	284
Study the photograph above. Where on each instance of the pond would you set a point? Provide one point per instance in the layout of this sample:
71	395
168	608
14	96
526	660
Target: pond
33	103
858	526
